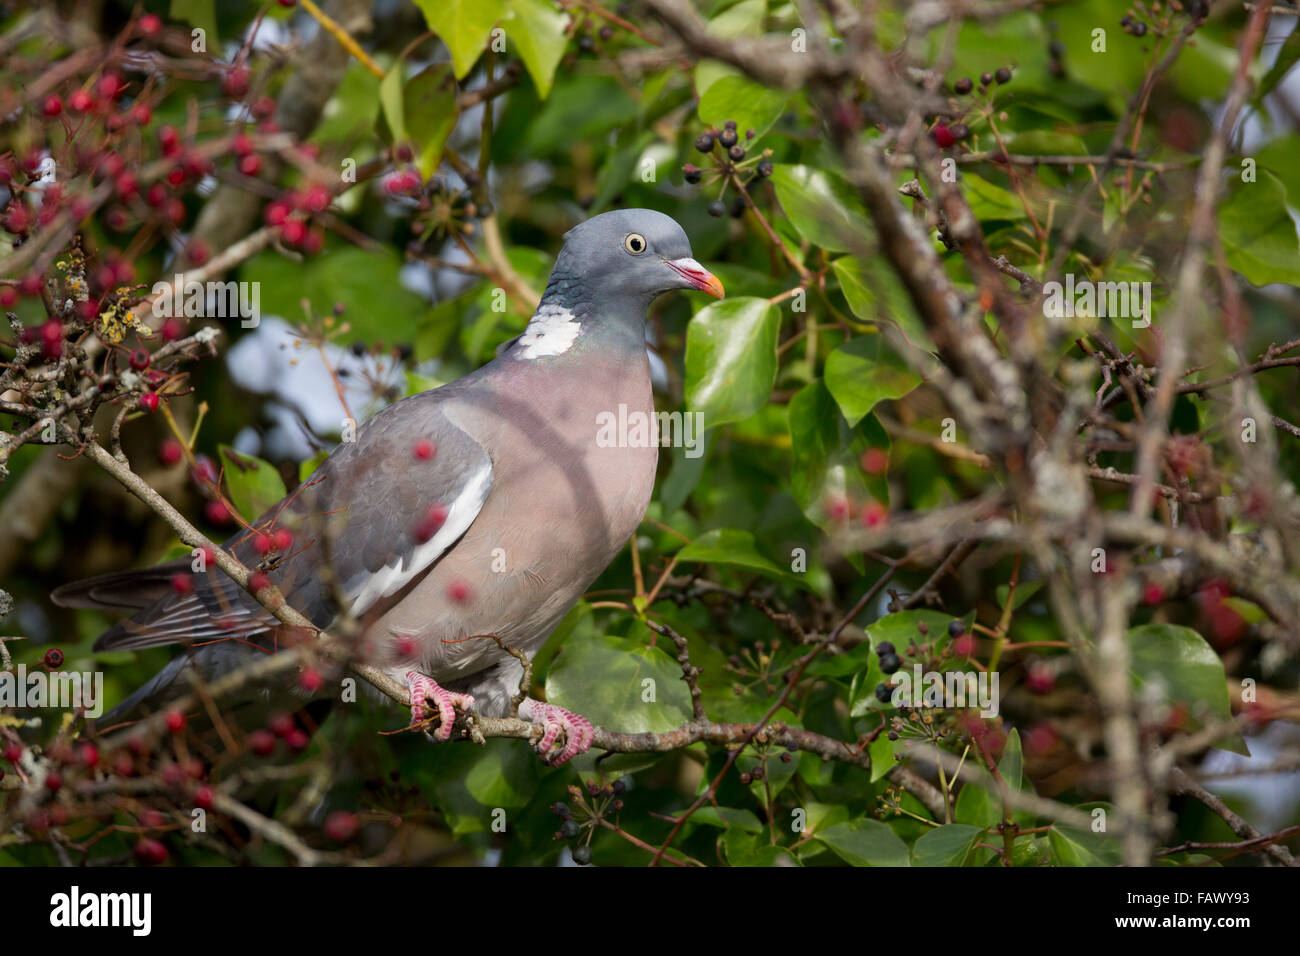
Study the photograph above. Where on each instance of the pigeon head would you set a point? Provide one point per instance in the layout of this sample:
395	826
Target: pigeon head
626	256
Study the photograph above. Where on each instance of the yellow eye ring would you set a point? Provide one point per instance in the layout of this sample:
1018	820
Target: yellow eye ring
635	243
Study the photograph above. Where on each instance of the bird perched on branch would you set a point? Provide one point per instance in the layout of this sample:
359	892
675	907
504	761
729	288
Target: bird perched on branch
484	507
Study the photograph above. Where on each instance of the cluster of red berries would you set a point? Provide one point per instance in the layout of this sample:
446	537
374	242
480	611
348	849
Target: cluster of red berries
292	214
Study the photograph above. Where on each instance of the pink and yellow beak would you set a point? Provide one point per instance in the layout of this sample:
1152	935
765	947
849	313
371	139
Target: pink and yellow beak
697	276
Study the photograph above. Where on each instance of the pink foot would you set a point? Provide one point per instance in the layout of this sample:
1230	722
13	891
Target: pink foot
422	688
578	732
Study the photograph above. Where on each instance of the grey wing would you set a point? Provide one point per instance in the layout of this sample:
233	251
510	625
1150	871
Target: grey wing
375	516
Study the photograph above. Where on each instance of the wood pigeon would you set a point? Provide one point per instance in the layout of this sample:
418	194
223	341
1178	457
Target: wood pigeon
484	507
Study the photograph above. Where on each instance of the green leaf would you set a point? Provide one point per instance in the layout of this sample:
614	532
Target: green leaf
1075	847
863	372
1258	232
537	32
948	845
731	359
988	201
429	106
738	549
253	485
463	25
748	850
504	777
823	208
982	806
725	818
1186	668
865	842
827	452
874	293
604	679
390	100
752	105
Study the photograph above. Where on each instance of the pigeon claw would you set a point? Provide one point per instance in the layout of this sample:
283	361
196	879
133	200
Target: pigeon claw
577	730
423	688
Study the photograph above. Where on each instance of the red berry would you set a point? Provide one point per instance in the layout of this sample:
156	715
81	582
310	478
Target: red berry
110	86
258	581
874	514
182	584
88	754
282	538
173	329
235	83
149	401
875	461
424	449
81	102
8	296
53	658
150	852
281	724
250	165
169	139
458	590
1153	594
293	231
204	798
53	781
31	286
150	24
263	544
297	740
141	114
964	646
943	136
261	742
13	752
175	721
198	252
341	826
139	359
242	144
263	107
217	512
53	106
277	212
315	199
837	509
1040	679
311	680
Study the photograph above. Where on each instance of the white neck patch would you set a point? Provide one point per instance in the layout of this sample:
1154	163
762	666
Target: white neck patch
551	331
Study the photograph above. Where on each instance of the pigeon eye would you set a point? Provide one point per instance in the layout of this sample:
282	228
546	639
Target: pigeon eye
634	243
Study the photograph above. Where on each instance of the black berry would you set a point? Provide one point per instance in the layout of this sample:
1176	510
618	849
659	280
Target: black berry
561	810
582	855
704	142
717	208
960	131
883	693
1139	29
1004	74
764	169
570	829
730	124
737	153
956	629
691	173
986	79
728	137
890	663
884	648
963	86
586	44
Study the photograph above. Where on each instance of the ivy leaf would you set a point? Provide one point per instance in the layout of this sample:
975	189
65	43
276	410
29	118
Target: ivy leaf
1075	847
539	38
731	359
863	372
253	485
752	105
823	208
429	107
605	679
948	845
463	25
737	549
1258	233
865	842
827	469
874	293
1188	670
